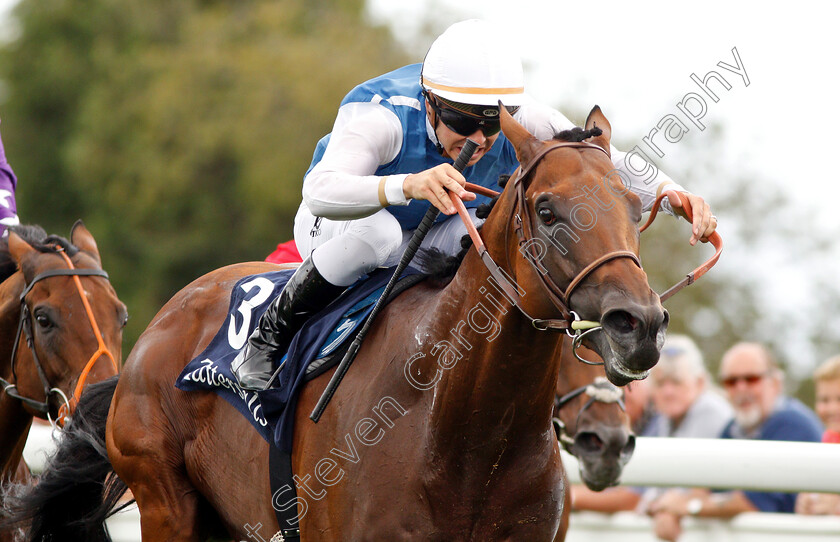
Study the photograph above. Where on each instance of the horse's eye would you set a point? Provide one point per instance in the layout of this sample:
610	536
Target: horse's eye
546	215
125	320
43	319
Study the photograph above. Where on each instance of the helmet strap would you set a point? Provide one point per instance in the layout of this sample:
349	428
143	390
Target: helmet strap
438	146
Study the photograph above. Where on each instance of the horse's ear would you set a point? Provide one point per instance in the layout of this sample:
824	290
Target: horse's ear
82	238
526	145
596	119
18	248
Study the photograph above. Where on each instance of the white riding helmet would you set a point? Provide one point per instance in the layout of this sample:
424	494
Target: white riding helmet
469	64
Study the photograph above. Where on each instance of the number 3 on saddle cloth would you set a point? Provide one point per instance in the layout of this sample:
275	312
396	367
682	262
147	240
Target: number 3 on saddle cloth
272	411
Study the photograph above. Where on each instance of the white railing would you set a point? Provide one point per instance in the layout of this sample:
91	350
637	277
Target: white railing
730	464
722	464
748	527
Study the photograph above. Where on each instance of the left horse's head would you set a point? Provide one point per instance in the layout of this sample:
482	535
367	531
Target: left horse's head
579	243
71	318
593	422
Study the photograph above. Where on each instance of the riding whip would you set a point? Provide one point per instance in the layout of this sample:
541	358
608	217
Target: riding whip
414	244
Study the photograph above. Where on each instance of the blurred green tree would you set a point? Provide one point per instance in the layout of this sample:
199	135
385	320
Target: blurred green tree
179	130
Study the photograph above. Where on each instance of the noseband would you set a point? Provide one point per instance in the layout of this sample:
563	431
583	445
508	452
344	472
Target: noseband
601	391
25	327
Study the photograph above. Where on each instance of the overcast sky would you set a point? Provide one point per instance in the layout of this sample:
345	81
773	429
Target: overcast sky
635	59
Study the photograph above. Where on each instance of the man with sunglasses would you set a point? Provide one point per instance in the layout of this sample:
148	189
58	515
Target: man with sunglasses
390	156
753	384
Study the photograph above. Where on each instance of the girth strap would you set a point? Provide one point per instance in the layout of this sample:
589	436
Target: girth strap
282	482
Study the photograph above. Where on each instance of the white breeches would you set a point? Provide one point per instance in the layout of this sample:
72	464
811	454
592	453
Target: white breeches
345	250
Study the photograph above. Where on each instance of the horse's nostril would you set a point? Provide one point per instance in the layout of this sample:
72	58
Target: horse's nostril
588	443
621	321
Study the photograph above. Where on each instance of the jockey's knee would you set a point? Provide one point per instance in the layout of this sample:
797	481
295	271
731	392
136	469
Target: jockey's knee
383	238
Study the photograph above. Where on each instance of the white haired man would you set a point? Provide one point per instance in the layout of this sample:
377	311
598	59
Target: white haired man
754	386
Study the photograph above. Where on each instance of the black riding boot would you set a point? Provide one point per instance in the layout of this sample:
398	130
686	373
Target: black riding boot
306	293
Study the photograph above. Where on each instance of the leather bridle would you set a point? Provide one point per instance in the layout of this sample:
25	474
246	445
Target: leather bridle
601	391
522	217
560	297
25	328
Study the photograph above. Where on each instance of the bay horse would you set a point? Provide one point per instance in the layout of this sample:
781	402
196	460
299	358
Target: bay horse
53	339
593	424
442	429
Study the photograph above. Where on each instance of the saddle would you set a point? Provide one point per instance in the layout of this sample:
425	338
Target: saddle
318	346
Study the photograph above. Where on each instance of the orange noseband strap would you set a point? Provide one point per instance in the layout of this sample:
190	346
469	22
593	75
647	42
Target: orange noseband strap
67	408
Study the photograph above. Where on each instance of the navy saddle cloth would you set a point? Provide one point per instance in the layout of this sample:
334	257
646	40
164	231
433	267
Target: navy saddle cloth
272	412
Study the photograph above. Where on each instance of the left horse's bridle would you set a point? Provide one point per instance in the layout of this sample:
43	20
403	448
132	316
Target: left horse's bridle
25	327
601	391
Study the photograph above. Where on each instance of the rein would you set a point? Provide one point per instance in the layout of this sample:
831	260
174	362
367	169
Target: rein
560	298
714	239
25	327
569	321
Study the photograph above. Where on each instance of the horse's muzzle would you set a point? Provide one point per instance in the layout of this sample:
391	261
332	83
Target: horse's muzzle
631	339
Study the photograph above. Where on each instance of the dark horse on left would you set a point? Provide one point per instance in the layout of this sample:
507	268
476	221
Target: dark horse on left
60	327
441	431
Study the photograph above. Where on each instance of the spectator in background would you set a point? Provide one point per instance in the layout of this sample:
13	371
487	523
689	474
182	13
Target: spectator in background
753	383
688	407
682	395
8	184
639	407
827	405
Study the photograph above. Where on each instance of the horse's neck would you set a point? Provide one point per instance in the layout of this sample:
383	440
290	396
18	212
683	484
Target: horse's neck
14	420
501	386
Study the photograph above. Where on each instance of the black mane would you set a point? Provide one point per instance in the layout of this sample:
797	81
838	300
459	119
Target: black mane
38	239
577	134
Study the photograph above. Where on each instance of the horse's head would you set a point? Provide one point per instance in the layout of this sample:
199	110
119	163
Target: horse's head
594	427
577	244
71	319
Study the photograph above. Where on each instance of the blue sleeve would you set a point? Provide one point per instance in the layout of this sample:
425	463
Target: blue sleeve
8	184
792	425
772	502
786	425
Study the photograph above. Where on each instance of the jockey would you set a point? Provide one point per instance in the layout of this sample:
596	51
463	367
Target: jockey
390	156
8	183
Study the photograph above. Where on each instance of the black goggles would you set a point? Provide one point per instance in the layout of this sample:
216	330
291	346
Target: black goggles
463	123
